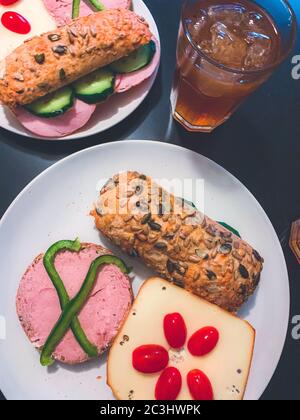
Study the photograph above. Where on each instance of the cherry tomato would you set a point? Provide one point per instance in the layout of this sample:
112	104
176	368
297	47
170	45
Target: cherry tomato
199	386
15	23
150	358
8	2
203	341
175	330
168	384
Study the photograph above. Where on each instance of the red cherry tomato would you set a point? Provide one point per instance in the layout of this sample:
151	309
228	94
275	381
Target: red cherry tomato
15	23
199	386
150	358
168	385
8	2
203	341
175	330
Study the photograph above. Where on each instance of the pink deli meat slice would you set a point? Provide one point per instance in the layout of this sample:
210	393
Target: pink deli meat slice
38	305
61	126
127	81
61	10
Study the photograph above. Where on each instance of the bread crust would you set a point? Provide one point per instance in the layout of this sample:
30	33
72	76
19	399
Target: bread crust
189	249
50	61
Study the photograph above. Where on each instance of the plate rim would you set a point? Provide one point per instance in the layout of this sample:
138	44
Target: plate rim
165	144
80	134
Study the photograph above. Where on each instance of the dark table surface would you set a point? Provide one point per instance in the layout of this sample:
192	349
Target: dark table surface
260	145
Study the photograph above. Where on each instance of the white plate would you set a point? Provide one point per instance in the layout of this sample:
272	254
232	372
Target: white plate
56	205
107	115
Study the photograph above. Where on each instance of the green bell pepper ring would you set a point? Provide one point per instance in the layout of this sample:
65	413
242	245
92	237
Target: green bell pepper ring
64	299
75	305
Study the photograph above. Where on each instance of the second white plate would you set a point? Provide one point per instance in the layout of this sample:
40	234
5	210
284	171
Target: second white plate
107	115
56	206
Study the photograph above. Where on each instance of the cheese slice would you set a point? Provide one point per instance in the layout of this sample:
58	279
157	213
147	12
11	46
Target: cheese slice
227	366
38	17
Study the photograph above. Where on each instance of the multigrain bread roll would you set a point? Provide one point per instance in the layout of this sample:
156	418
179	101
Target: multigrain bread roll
177	241
48	62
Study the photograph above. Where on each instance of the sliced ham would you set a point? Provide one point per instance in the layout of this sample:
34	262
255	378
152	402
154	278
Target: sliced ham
61	126
125	82
61	10
38	305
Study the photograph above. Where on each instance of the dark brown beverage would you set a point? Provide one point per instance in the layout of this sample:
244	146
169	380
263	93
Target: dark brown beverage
226	49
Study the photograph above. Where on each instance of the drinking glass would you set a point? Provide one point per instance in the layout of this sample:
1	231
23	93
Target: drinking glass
206	91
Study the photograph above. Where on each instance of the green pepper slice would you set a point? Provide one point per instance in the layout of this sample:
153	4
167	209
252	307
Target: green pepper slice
63	296
98	5
75	305
75	9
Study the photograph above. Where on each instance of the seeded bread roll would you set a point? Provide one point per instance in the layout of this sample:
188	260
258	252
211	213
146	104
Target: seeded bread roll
50	61
177	241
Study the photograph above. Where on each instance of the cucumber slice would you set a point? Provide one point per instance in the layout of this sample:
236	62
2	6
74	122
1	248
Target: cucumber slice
53	104
136	60
95	87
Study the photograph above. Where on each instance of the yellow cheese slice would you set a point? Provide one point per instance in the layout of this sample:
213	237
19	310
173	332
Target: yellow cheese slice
227	366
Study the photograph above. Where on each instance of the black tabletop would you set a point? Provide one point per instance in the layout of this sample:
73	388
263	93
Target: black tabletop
260	145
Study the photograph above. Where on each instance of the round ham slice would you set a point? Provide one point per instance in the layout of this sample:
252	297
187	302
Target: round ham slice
60	126
127	81
61	10
79	115
38	306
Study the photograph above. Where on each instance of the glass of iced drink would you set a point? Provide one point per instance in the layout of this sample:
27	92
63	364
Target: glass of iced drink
226	49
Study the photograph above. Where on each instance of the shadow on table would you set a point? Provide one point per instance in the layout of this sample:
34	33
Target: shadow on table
236	144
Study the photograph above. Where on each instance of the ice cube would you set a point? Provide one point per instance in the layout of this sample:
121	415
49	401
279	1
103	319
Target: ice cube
225	46
253	21
197	23
258	51
257	37
206	46
228	14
